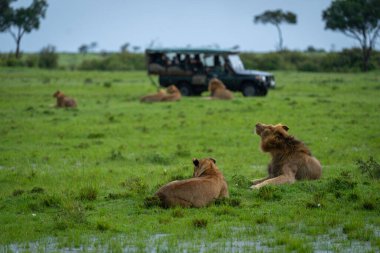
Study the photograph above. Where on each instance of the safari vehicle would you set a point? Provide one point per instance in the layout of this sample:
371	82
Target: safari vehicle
191	69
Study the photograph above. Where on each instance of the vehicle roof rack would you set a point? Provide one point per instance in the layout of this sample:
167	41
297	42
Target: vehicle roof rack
191	51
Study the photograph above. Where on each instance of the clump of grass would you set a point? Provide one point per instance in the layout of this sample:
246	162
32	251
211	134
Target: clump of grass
342	183
150	202
120	195
233	202
178	213
88	193
135	184
224	210
102	225
199	223
269	193
18	192
158	158
369	204
262	220
116	155
71	214
82	145
51	201
317	201
107	84
370	167
37	190
177	177
95	135
240	181
88	81
182	152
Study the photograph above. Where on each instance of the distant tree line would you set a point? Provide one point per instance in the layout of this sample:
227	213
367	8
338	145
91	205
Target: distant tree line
312	59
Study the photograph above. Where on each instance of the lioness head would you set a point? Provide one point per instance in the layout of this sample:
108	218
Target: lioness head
202	165
215	84
172	89
272	136
58	94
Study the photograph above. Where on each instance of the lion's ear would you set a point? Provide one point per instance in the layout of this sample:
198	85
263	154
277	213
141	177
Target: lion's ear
195	162
212	159
286	128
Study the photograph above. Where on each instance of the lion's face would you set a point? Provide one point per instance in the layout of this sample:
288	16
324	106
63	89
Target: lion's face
57	94
172	89
272	136
215	84
200	166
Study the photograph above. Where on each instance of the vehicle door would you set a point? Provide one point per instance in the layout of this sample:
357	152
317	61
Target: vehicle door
217	66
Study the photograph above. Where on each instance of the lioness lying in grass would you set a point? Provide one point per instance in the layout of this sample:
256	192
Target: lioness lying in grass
63	100
170	94
207	184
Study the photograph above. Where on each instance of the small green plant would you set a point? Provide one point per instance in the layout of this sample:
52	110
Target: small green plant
136	185
240	181
269	193
370	167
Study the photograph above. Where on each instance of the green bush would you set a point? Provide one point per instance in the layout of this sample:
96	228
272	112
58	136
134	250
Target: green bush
48	58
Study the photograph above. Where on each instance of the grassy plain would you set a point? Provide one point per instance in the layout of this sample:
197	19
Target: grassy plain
76	180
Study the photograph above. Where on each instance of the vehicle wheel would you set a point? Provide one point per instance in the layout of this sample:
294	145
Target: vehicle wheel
185	89
262	91
249	90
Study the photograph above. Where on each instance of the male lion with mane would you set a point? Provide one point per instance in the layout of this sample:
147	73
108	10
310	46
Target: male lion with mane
291	159
63	100
207	185
170	94
218	90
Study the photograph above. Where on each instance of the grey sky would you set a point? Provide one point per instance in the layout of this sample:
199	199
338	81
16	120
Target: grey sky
111	23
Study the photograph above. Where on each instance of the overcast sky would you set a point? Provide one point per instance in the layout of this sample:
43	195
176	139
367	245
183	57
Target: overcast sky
176	23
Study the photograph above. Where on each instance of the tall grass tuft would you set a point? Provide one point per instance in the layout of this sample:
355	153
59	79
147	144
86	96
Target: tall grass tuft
88	193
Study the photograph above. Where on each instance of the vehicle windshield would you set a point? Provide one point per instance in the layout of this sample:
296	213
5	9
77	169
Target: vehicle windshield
236	62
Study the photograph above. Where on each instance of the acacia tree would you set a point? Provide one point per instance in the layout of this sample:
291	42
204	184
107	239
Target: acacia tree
357	19
22	20
276	18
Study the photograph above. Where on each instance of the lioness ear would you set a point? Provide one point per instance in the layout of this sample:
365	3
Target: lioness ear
195	162
212	159
285	128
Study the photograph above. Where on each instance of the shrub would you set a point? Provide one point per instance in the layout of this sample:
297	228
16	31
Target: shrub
48	58
88	193
370	167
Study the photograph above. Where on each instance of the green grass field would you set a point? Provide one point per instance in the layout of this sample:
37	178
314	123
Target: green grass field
76	180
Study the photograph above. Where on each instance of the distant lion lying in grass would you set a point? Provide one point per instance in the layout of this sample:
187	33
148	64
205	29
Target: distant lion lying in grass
207	185
170	94
291	159
218	90
64	101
